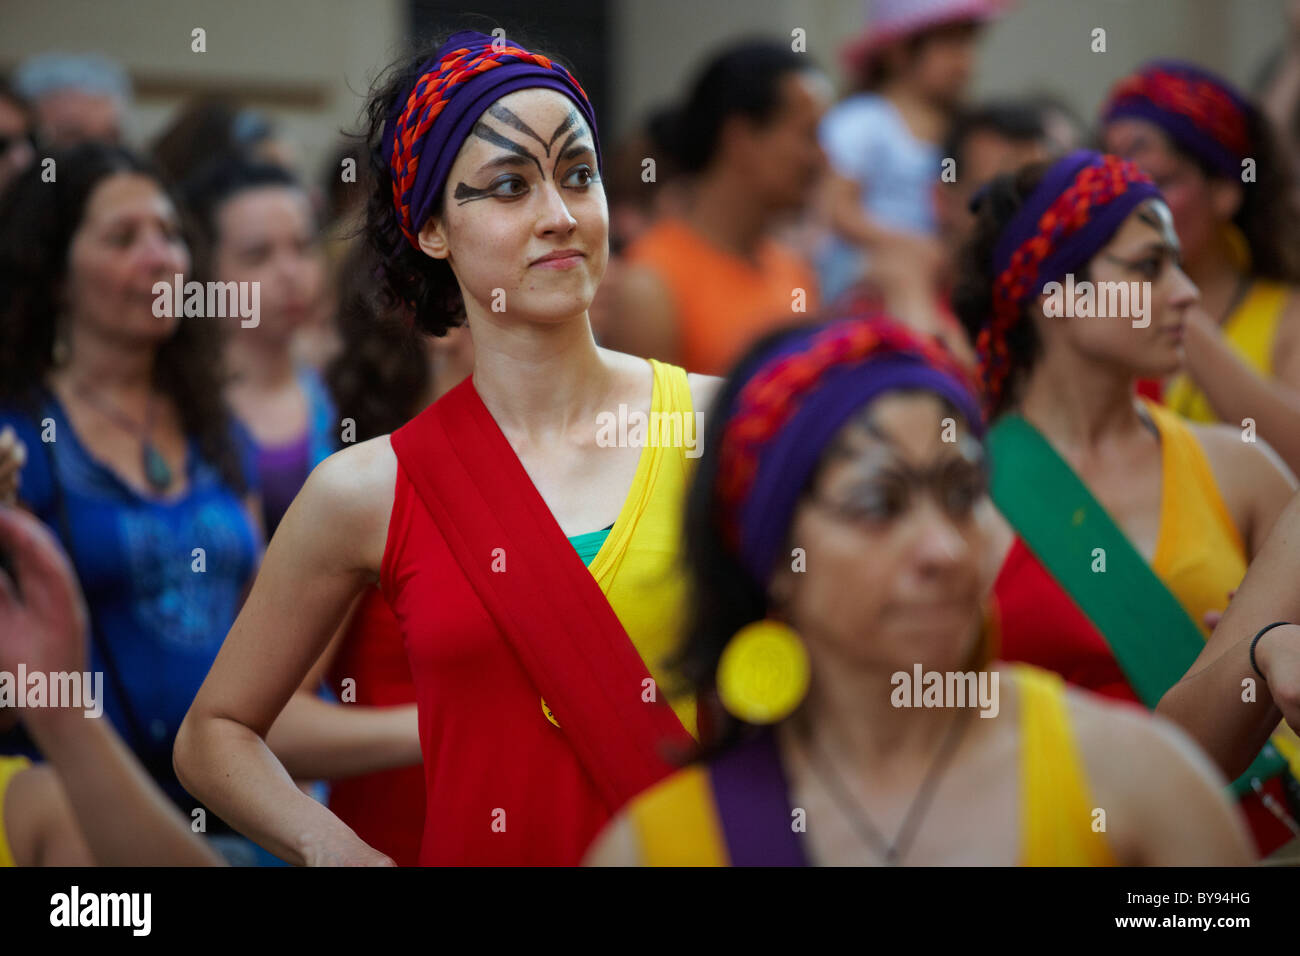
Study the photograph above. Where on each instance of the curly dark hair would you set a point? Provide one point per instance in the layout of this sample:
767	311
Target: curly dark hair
409	278
41	219
972	297
381	370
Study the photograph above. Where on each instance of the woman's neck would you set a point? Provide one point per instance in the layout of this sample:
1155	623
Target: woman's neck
851	714
263	362
107	365
1079	402
536	379
726	212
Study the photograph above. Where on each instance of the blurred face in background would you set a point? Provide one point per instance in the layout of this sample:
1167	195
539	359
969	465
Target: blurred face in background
16	150
267	234
939	63
984	155
68	117
1202	205
783	156
129	238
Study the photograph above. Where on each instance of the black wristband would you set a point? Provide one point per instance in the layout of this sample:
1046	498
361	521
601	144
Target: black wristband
1262	631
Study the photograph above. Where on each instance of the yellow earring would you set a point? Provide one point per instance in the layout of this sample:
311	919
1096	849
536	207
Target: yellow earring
763	673
1238	247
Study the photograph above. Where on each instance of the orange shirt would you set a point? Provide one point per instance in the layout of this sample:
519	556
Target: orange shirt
723	303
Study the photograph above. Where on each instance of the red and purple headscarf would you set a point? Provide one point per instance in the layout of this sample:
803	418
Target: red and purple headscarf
430	121
1202	114
801	392
1075	210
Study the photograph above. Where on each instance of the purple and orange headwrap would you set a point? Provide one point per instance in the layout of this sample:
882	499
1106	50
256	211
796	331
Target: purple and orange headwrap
1080	203
430	121
1201	113
801	393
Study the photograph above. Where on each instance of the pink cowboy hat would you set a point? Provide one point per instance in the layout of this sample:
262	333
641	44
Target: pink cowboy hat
890	20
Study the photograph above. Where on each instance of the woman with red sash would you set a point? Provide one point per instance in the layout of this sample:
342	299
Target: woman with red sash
541	703
1125	525
836	545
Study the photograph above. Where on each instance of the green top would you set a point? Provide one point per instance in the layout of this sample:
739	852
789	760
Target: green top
588	545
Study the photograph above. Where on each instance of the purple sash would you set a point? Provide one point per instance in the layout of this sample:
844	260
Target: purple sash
749	789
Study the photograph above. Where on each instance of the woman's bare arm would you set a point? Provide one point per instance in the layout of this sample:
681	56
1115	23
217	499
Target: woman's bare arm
1236	392
318	739
1221	701
328	547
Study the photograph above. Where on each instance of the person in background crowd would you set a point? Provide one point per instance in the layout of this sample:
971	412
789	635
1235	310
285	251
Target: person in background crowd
992	138
368	746
256	225
1216	160
74	98
1120	524
92	803
912	64
830	441
637	200
212	128
17	139
131	455
699	287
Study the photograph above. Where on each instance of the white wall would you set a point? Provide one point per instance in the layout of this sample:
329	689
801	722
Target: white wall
332	45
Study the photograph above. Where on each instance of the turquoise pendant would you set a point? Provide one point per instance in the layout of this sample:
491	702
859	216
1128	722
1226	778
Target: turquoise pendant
156	470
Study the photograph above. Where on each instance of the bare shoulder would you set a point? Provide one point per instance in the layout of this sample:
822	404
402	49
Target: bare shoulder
358	479
704	390
1252	478
34	806
345	504
1156	785
617	845
1235	450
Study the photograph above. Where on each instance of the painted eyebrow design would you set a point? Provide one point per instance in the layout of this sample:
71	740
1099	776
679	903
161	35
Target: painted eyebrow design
521	154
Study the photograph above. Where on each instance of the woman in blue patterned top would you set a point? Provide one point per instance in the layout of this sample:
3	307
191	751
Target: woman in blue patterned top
131	457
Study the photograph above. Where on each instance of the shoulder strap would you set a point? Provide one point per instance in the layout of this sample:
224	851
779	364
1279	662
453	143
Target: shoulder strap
1055	804
545	603
1153	639
752	797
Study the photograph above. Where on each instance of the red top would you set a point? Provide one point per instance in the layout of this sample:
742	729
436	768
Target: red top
386	809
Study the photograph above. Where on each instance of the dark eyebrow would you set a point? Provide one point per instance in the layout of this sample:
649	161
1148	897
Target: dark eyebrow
496	139
576	151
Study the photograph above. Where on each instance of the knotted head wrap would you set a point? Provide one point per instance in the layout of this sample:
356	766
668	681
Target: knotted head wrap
811	381
1202	114
1082	200
429	122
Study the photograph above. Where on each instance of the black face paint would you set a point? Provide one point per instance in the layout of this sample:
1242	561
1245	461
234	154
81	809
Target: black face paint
465	193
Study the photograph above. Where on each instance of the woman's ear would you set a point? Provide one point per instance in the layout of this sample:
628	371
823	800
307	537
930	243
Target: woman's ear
433	240
1225	198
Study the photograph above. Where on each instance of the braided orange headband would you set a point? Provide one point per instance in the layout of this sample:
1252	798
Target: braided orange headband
468	74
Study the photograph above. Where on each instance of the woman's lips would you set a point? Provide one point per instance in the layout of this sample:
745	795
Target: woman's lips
559	262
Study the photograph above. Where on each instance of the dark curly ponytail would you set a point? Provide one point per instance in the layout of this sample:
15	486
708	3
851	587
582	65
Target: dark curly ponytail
973	294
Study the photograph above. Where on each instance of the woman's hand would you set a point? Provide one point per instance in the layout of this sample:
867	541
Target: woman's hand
42	613
13	455
1278	657
355	852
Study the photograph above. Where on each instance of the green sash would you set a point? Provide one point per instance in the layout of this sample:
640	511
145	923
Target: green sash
1153	638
